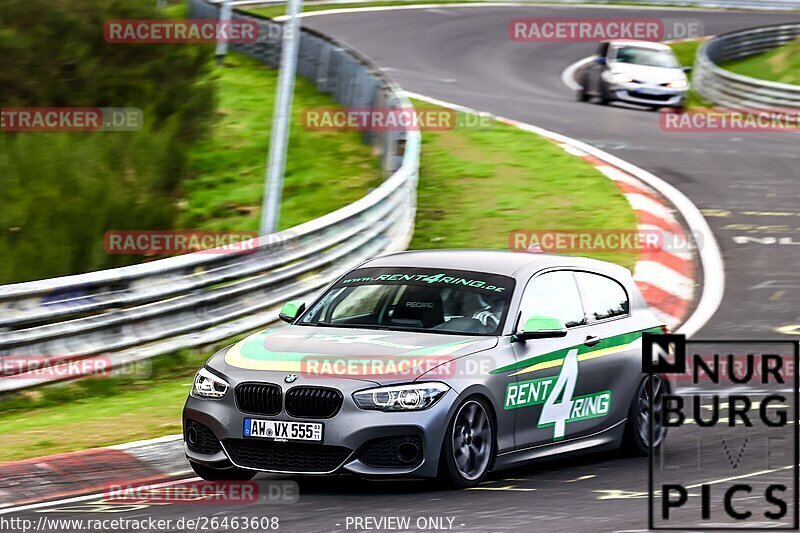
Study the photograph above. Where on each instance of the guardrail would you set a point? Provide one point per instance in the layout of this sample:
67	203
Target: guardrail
726	4
137	312
733	90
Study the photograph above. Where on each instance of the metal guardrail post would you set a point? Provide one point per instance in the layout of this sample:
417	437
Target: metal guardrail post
323	67
224	18
279	135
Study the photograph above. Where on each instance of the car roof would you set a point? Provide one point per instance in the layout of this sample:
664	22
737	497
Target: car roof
503	262
641	44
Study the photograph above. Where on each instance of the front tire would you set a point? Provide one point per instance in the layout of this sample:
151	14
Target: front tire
636	439
602	94
468	449
222	474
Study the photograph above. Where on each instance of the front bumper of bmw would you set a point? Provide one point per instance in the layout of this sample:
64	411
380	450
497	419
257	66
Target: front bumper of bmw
363	442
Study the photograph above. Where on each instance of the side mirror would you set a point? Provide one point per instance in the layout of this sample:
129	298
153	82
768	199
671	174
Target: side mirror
292	310
542	327
687	70
600	60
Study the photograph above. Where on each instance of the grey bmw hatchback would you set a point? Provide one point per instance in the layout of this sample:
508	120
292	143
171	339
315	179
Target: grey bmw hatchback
447	363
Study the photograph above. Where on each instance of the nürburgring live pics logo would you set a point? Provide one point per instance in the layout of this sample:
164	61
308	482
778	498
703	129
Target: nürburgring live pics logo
731	460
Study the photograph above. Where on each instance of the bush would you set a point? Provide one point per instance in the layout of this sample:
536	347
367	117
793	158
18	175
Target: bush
60	192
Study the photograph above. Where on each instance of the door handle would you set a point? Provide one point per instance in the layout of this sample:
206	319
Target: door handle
591	340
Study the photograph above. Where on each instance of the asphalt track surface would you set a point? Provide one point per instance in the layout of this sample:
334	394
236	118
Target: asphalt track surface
747	185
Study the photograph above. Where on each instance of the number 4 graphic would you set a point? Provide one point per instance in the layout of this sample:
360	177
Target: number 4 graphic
557	413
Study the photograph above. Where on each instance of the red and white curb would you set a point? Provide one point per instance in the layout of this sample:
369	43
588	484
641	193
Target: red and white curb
25	483
666	278
670	281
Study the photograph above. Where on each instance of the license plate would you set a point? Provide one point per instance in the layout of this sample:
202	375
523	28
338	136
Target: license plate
279	431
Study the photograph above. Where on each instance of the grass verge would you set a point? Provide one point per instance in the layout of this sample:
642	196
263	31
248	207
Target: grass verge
280	10
476	186
781	65
325	170
276	11
99	411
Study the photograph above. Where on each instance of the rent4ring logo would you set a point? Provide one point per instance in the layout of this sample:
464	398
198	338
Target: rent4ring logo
555	395
725	431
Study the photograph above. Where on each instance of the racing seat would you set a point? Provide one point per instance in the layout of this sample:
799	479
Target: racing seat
419	307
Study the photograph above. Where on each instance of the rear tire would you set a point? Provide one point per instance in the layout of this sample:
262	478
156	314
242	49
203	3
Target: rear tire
222	474
468	450
582	95
636	439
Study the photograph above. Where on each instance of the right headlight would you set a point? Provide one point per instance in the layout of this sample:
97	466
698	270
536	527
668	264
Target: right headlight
678	84
208	386
413	397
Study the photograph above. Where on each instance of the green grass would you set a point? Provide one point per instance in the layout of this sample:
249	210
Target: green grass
780	65
686	51
100	411
324	170
275	11
476	186
479	185
88	423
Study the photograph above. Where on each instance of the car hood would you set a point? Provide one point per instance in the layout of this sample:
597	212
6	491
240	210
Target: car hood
318	353
655	75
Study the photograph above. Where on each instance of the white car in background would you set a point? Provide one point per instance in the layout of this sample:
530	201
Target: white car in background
636	72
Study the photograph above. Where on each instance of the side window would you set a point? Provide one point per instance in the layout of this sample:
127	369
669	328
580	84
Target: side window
553	295
603	297
603	49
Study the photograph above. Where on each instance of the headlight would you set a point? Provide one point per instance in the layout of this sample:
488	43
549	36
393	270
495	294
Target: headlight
619	77
678	84
207	385
414	397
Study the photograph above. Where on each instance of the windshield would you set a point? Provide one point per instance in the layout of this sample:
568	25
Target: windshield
413	299
647	57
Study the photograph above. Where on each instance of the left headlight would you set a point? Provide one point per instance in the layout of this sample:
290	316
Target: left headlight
207	385
619	77
678	84
413	397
